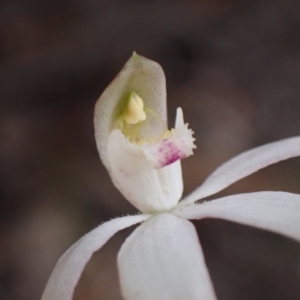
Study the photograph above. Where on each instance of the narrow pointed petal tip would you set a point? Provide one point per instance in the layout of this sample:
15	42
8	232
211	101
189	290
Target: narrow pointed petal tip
243	165
141	75
68	269
278	212
163	259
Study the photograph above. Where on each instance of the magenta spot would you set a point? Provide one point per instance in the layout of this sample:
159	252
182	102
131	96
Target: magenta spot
170	151
172	159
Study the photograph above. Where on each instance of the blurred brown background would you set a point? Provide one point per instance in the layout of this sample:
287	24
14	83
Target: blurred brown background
234	68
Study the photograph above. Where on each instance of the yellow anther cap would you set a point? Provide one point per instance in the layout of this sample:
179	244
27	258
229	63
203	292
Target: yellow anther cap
134	112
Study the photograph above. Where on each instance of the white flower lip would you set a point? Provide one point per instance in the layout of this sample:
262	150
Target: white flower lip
163	258
141	155
148	189
175	145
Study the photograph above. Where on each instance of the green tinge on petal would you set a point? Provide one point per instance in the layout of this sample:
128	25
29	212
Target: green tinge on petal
141	75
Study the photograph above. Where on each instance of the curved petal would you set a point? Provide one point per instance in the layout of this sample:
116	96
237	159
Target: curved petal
148	189
68	269
141	75
244	165
275	211
162	259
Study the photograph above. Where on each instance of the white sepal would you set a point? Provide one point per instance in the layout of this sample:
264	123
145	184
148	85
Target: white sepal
162	259
275	211
68	269
243	165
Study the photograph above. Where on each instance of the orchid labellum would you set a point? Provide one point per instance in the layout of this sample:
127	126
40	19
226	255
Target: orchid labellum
162	259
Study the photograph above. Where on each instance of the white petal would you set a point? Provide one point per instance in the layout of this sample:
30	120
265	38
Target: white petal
275	211
162	260
244	165
68	269
141	75
148	189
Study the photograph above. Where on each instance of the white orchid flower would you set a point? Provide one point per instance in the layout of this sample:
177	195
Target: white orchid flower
162	259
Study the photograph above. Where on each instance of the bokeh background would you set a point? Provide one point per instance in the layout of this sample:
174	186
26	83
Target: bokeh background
234	68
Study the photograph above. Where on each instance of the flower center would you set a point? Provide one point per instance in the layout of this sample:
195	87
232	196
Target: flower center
138	123
148	131
134	112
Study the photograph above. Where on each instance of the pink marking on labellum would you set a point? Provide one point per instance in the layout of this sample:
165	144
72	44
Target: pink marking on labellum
170	152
